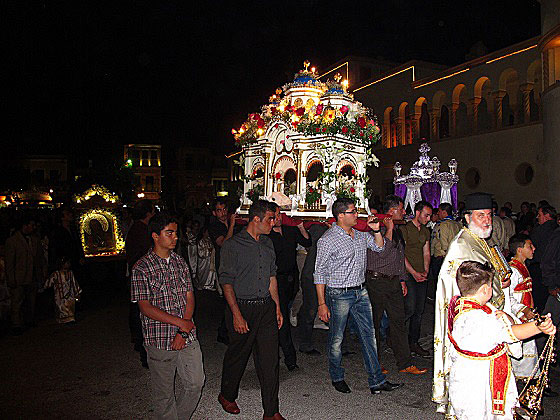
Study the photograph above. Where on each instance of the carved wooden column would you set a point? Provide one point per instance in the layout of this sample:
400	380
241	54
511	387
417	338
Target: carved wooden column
545	69
386	134
434	123
401	131
474	102
298	155
267	175
415	122
453	119
498	110
526	89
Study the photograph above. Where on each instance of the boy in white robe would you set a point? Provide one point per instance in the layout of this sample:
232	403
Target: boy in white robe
480	383
519	301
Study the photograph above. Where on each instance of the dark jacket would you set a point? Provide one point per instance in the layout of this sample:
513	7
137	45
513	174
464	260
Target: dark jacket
550	264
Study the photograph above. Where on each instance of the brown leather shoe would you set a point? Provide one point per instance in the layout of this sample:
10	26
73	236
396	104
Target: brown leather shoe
228	406
413	370
383	370
277	416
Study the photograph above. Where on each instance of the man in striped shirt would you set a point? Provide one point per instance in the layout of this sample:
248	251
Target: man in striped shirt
162	287
341	292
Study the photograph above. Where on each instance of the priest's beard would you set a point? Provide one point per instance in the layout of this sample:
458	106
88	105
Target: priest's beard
480	232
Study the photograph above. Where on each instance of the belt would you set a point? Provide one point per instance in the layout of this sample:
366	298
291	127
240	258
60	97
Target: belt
376	274
358	287
258	301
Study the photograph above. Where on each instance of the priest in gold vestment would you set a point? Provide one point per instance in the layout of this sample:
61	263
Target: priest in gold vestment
469	244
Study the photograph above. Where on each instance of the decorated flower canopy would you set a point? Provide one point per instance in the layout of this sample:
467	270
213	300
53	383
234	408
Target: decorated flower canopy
311	144
426	182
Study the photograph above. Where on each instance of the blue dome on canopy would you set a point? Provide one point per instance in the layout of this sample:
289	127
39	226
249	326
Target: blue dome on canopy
335	91
303	78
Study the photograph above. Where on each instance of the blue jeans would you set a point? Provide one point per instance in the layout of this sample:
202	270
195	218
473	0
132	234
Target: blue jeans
341	304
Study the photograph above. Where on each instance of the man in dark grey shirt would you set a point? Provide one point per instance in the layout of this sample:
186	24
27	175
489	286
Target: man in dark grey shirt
385	279
253	316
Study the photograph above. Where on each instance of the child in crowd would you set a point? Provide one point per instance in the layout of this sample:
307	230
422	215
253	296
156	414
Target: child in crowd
66	291
480	383
519	301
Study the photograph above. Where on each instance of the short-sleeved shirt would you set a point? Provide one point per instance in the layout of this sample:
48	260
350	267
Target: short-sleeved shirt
341	259
164	283
442	235
390	261
414	240
248	264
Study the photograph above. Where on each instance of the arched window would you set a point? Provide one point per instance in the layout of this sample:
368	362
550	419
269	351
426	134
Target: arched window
290	178
424	123
461	120
534	107
348	171
484	122
508	119
313	171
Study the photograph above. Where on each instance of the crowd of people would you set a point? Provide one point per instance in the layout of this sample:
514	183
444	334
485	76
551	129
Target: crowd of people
370	280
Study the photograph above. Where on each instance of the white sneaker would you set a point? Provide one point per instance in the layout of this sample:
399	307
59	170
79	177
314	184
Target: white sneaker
321	326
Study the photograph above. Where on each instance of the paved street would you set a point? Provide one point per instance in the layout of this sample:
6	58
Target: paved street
90	371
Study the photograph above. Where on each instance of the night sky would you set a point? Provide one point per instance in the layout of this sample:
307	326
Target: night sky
87	77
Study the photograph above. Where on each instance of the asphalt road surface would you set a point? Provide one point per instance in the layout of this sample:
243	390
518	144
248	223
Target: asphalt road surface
89	370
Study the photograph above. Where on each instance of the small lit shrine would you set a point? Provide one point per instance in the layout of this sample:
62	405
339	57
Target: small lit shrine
309	146
426	182
98	222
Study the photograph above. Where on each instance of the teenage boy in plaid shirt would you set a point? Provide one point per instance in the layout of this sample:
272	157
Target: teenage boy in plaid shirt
162	287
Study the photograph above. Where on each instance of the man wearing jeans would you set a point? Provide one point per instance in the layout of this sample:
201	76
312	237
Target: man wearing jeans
417	261
340	282
162	287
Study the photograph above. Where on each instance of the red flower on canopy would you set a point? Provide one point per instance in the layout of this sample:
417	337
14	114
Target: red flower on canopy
300	111
295	123
344	130
273	110
289	108
255	116
278	175
276	125
361	122
317	129
343	109
370	137
324	129
319	109
353	172
352	189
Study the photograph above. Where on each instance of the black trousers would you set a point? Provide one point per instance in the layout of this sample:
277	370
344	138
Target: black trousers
307	313
435	267
285	295
385	293
414	302
540	291
262	341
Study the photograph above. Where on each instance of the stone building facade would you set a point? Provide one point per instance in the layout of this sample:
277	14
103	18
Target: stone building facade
498	115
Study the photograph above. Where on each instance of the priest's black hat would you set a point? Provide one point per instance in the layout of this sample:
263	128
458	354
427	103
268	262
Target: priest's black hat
478	201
